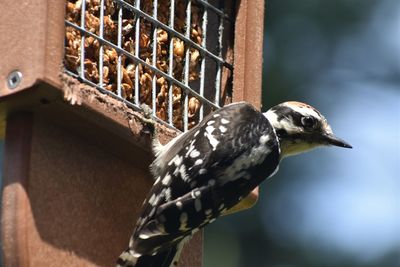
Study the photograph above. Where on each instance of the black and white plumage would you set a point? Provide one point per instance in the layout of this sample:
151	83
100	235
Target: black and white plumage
208	170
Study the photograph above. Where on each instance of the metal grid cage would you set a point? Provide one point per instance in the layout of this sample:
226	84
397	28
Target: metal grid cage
173	55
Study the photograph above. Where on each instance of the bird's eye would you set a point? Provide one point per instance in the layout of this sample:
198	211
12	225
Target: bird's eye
308	122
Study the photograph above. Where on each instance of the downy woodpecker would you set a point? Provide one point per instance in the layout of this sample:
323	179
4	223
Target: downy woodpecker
204	172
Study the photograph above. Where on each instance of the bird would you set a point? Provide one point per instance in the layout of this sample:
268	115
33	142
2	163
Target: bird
203	173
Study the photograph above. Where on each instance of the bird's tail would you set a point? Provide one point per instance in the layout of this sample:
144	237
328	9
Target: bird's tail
167	258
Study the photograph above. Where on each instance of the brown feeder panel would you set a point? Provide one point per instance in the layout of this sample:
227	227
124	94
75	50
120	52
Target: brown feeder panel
75	74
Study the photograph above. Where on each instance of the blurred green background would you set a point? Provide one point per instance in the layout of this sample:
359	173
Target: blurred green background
331	207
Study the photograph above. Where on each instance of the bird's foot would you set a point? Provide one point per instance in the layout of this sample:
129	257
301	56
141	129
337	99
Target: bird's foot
149	124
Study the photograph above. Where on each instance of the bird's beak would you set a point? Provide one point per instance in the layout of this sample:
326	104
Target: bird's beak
333	140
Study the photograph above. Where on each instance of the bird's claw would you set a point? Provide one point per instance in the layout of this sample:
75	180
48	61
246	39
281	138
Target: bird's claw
147	112
148	121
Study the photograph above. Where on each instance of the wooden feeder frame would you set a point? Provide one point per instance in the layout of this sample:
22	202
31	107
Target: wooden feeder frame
75	169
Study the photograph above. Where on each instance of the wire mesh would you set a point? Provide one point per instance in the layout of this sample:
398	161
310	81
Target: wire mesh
166	54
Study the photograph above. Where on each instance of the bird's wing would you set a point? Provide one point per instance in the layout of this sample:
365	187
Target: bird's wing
206	170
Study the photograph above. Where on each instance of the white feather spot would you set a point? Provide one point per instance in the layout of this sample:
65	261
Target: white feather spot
177	160
222	129
190	149
210	122
168	194
198	162
195	153
264	139
224	121
179	204
167	180
158	180
153	210
144	236
130	256
213	141
153	199
182	171
210	129
136	255
216	115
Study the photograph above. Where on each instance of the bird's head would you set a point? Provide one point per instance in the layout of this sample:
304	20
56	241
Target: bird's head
300	128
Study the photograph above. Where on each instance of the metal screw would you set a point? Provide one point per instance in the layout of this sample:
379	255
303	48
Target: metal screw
14	79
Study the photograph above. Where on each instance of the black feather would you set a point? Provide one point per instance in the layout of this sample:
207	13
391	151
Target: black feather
225	137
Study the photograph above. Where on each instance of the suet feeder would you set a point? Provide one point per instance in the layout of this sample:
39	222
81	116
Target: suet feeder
74	75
